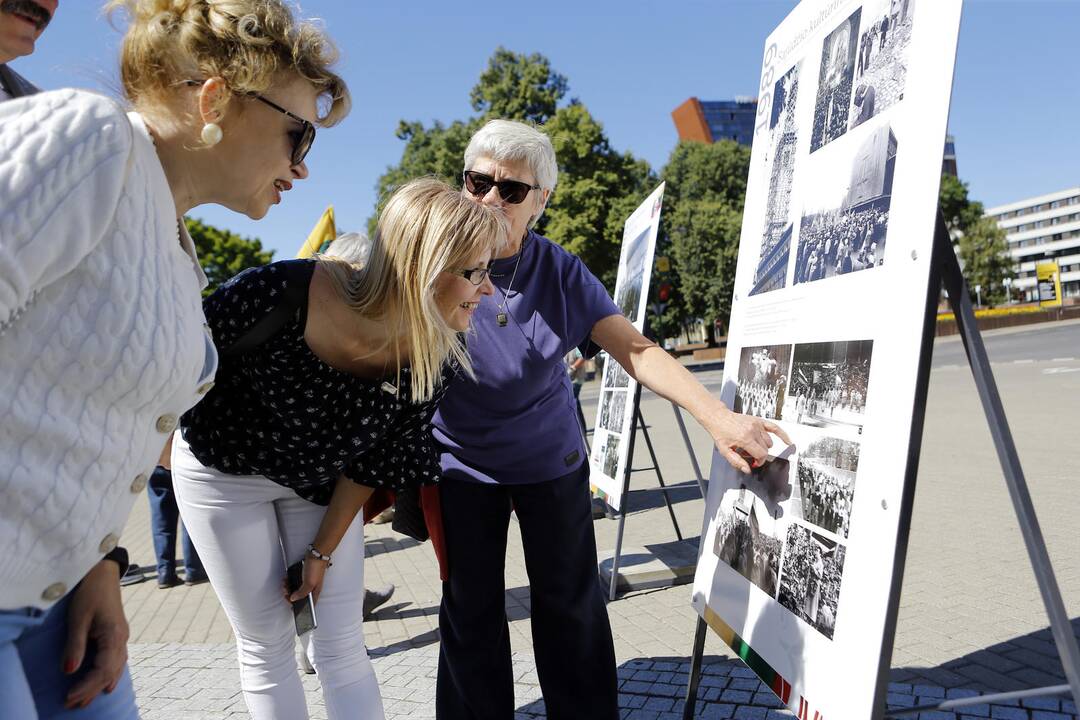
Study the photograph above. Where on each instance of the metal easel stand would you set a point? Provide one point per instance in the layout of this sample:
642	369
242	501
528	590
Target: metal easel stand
948	270
690	450
638	423
953	280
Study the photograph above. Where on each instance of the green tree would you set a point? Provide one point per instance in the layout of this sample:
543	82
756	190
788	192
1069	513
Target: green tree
984	254
223	253
598	186
980	243
959	211
702	223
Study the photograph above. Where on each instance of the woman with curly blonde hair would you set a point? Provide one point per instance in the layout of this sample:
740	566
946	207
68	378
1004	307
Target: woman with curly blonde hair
102	331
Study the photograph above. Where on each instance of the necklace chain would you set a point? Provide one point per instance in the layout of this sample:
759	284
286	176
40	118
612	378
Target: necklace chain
501	317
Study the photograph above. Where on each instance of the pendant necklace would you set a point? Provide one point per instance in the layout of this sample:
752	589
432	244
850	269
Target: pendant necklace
501	318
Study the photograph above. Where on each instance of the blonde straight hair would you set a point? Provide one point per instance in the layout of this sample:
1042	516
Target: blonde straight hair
426	228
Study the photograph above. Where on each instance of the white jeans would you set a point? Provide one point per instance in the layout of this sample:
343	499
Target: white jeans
235	522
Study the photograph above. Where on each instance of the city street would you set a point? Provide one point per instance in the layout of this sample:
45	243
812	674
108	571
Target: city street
971	618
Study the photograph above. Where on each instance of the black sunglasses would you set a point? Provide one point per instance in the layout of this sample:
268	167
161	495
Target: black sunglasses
474	275
512	191
302	139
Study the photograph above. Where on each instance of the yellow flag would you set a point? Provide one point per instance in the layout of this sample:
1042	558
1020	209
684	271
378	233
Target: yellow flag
323	234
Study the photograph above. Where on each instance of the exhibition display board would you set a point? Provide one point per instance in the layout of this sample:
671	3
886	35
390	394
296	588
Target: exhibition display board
800	562
615	412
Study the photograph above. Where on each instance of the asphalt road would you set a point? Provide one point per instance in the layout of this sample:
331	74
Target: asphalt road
1059	342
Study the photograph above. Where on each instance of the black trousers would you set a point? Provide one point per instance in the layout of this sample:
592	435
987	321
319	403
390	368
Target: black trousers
575	655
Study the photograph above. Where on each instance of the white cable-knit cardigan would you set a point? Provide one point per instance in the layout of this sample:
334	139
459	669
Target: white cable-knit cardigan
102	336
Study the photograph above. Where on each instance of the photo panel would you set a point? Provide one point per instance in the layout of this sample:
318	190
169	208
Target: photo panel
616	377
810	576
763	379
632	275
846	208
609	460
835	82
882	59
828	384
746	543
824	487
613	410
782	142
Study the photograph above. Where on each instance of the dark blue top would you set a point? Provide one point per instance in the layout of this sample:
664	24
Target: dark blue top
517	423
280	411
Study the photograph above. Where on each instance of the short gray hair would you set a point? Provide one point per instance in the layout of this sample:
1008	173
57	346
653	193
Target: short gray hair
512	141
351	247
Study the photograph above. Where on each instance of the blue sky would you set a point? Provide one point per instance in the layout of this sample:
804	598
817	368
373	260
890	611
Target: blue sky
1016	96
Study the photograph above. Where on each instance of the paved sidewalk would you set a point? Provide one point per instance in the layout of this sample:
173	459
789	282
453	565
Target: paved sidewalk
971	619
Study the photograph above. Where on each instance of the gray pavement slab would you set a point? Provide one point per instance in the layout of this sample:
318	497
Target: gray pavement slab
971	619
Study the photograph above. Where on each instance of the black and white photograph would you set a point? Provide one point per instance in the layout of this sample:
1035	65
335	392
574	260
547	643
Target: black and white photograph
609	455
882	59
825	481
616	377
612	410
810	578
632	276
835	82
828	384
846	210
742	544
763	377
782	139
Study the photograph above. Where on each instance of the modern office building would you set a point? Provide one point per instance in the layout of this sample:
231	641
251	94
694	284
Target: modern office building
711	120
948	160
1041	229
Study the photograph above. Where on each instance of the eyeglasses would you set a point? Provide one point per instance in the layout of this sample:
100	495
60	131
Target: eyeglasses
474	275
512	191
302	139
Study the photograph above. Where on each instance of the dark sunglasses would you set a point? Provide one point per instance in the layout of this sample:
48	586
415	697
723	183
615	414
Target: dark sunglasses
302	139
512	191
474	275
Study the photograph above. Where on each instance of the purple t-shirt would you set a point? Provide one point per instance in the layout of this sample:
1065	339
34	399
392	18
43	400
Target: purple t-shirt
517	423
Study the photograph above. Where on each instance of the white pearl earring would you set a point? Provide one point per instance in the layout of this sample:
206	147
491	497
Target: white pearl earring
211	133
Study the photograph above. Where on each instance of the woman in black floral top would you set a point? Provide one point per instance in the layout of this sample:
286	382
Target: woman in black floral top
309	418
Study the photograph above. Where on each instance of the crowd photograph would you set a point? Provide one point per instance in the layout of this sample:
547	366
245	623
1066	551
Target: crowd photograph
615	376
829	382
846	215
740	543
882	58
810	578
835	79
826	476
613	410
762	380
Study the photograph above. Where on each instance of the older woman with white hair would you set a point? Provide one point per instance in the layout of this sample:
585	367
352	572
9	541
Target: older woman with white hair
510	439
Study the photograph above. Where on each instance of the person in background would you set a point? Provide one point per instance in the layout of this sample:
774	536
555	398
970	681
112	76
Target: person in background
164	522
510	440
21	24
576	368
102	331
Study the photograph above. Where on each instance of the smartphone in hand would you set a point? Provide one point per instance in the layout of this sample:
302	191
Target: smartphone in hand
304	608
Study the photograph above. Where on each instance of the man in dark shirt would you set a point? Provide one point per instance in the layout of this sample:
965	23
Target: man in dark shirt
21	24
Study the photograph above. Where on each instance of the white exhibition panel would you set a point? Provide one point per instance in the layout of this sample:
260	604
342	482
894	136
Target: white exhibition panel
614	424
825	337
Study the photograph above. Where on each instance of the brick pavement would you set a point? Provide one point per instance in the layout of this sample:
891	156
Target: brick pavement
970	618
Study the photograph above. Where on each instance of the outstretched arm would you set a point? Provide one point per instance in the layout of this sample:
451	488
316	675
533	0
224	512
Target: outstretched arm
737	436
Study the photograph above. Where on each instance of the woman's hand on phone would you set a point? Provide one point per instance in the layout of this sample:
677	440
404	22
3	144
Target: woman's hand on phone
314	572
